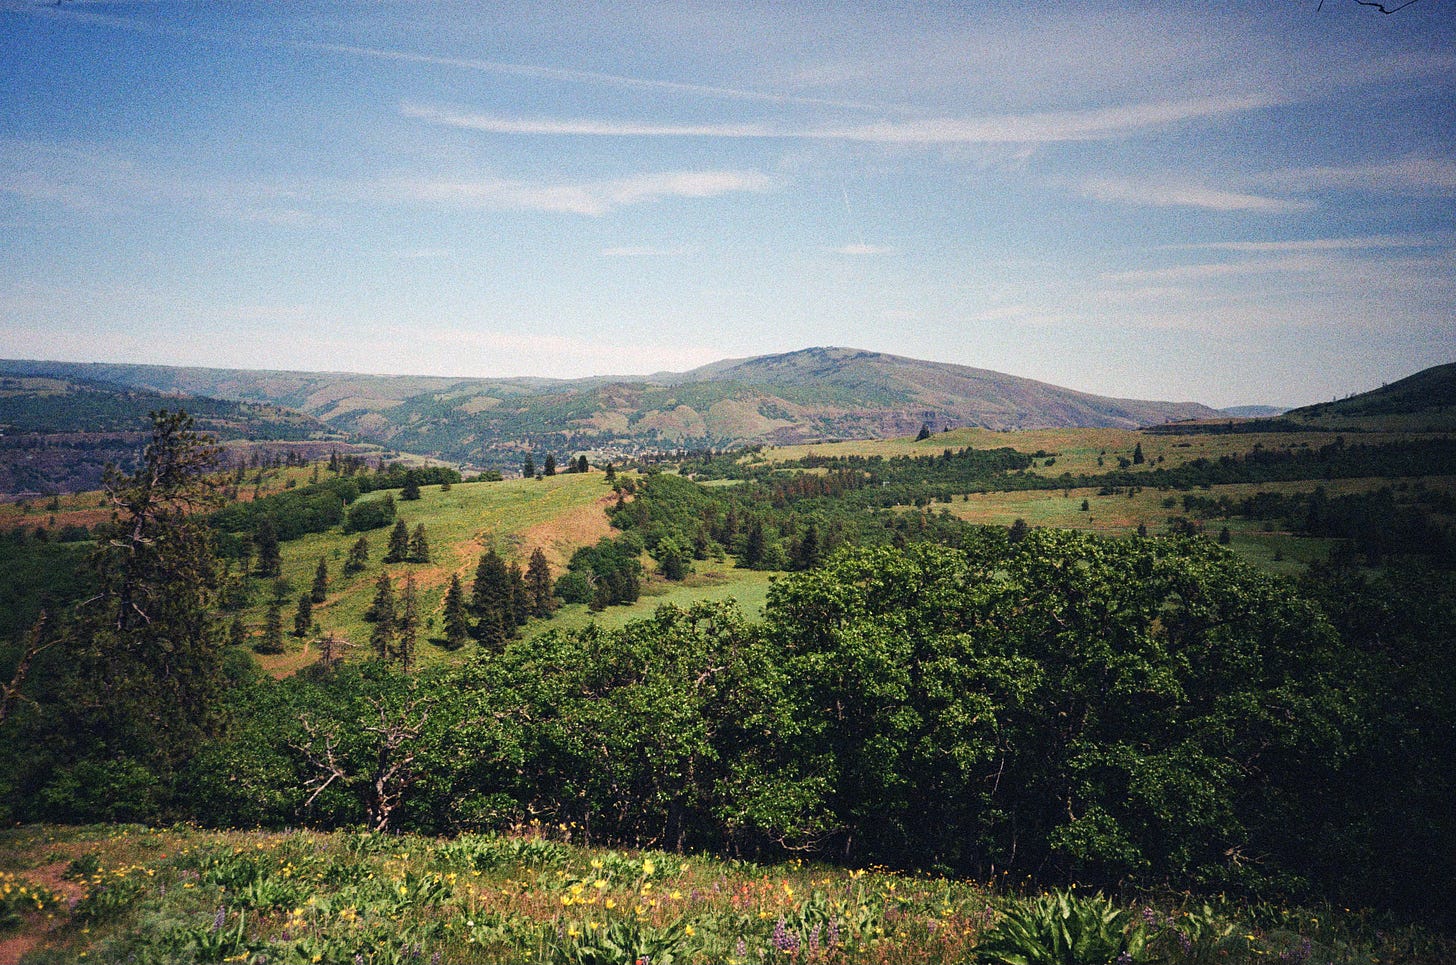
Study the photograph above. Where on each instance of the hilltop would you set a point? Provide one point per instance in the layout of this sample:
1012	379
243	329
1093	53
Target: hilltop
1425	401
804	396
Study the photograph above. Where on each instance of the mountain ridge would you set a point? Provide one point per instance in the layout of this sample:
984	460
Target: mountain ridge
806	395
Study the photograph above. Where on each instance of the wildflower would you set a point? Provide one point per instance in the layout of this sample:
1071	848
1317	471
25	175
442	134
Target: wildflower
648	867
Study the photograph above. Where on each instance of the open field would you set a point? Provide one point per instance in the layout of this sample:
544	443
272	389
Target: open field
711	581
129	893
556	514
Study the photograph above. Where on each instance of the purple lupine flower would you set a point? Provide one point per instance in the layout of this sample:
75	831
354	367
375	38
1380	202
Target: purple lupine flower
1184	942
219	919
783	939
740	948
814	939
1123	958
1150	917
833	932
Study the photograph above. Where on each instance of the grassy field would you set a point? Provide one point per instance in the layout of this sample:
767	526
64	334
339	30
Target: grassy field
710	581
556	515
133	894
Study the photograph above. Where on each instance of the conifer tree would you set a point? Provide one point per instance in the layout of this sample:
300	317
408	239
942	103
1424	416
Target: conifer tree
265	538
408	625
1137	454
237	635
581	464
491	600
381	611
358	557
411	488
320	590
419	546
457	621
611	472
528	466
272	640
520	605
398	550
303	616
549	468
538	585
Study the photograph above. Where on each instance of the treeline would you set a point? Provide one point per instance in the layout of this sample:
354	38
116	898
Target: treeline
1378	525
1145	712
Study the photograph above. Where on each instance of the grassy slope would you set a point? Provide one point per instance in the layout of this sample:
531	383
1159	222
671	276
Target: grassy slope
516	516
124	893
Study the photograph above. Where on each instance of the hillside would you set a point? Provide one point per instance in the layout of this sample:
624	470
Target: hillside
1425	401
804	396
59	431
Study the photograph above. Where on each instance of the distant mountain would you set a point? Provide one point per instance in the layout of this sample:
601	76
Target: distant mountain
58	433
803	396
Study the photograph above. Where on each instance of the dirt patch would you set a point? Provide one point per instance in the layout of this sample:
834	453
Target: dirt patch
15	946
568	532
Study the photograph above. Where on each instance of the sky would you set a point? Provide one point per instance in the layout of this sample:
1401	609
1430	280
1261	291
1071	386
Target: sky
1229	202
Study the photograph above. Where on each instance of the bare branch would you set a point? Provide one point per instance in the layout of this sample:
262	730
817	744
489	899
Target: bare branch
35	644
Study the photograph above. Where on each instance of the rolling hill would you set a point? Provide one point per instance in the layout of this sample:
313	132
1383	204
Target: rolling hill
804	396
1425	401
58	432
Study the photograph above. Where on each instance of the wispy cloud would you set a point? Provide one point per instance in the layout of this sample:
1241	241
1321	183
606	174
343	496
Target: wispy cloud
592	198
1366	243
1029	128
1163	194
1419	175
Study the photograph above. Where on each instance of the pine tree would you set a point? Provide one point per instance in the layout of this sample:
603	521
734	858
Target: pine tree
538	585
303	616
549	468
411	488
237	635
358	557
381	611
581	464
419	546
265	538
1137	454
272	640
398	550
408	625
320	591
457	621
491	601
809	550
528	467
520	605
924	432
611	472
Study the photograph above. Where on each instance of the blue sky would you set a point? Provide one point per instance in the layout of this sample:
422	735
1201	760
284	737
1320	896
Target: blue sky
1233	202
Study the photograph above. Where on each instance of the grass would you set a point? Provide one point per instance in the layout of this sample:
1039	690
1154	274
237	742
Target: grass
515	516
536	894
710	581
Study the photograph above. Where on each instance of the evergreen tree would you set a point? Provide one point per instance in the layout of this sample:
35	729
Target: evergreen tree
237	634
398	550
265	538
538	585
320	591
411	488
408	625
1137	454
611	472
491	601
528	467
808	551
381	611
924	432
457	621
419	546
358	557
581	464
670	560
303	616
272	640
520	609
549	469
